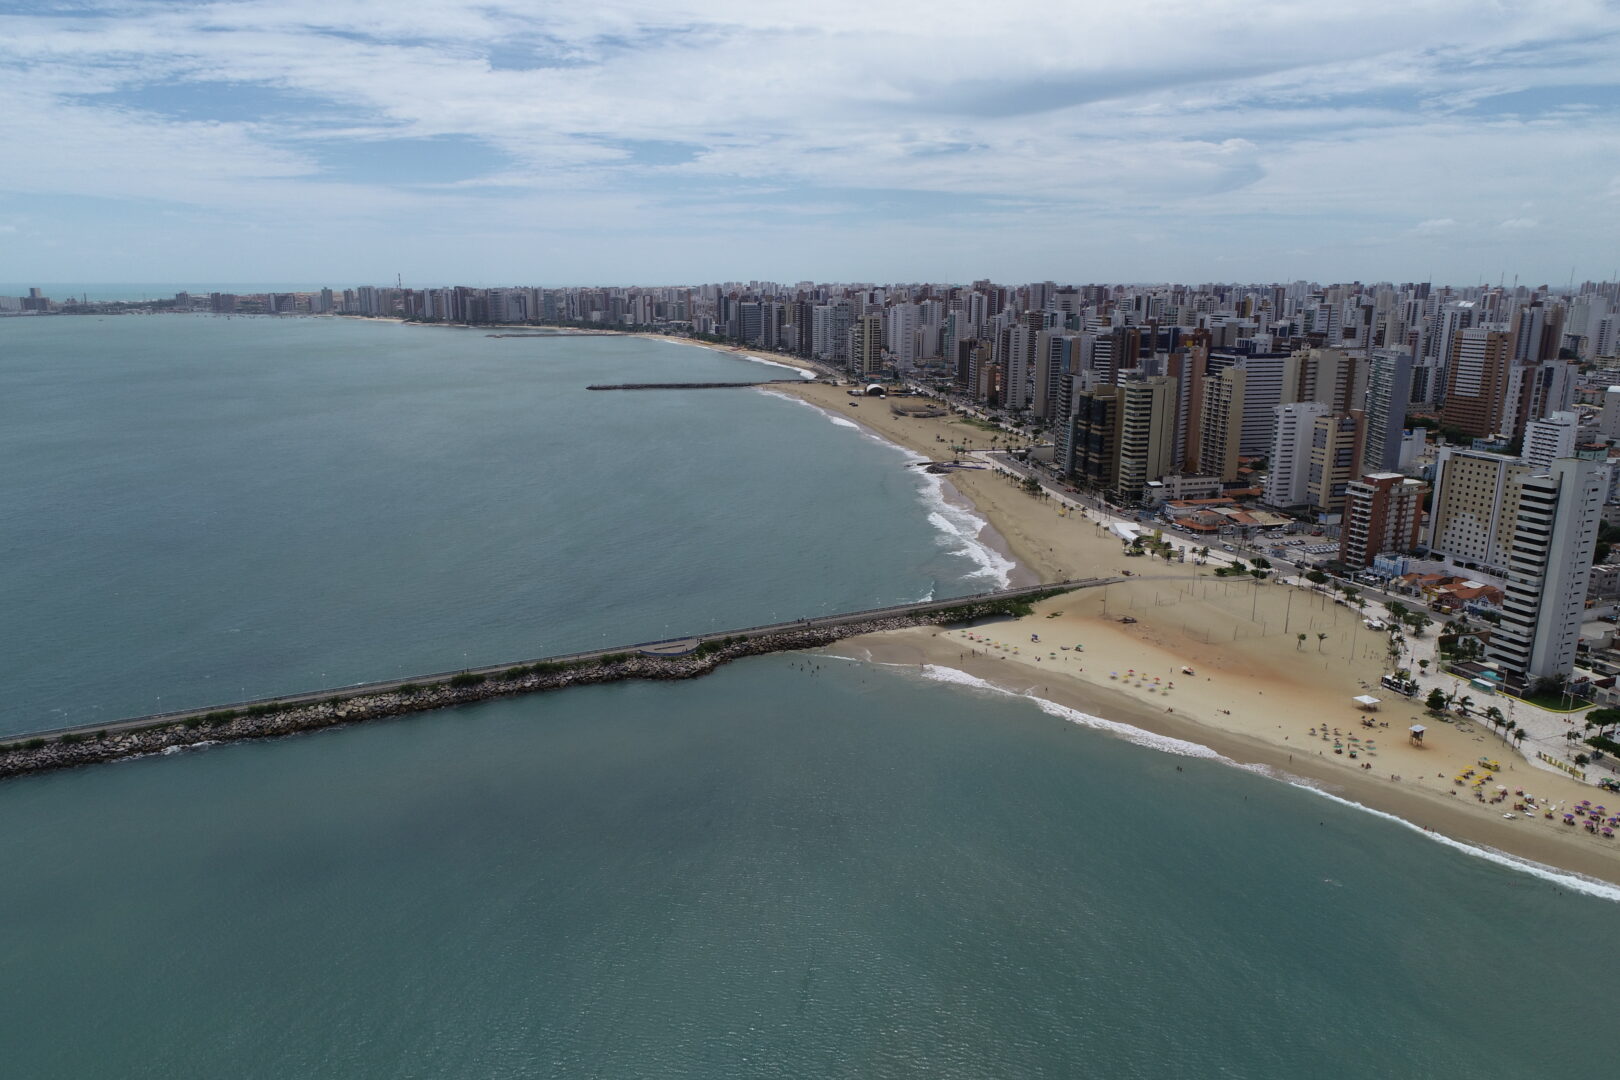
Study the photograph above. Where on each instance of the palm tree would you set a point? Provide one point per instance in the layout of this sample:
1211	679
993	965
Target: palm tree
1518	735
1465	703
1493	716
1301	644
1319	639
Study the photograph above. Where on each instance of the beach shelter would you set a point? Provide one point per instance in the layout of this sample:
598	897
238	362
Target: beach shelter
1366	701
1417	734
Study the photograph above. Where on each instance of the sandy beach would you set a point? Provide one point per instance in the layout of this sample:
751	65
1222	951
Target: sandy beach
1259	693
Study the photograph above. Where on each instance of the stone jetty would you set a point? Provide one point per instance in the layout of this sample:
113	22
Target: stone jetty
84	746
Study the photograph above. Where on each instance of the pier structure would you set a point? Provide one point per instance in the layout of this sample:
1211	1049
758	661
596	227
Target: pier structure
672	658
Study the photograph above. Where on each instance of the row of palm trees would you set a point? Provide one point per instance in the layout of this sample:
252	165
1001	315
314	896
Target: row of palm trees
1441	701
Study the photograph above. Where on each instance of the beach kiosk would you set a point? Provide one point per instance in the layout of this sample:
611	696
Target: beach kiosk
1366	701
1417	734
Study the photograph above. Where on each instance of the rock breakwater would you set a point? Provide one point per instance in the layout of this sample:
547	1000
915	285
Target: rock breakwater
271	720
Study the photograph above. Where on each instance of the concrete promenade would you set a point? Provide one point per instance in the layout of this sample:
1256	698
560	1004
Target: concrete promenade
666	648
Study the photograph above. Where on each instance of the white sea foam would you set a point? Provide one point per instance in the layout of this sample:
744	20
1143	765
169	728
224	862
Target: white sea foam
958	526
803	373
963	528
1603	890
1572	881
1127	732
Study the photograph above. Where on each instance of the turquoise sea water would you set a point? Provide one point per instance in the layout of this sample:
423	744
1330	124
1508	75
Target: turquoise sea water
794	867
207	510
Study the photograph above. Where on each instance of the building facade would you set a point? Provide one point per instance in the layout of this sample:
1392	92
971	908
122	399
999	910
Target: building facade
1554	537
1383	514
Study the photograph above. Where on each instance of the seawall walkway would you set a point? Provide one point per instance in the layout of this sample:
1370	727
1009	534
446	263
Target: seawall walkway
675	658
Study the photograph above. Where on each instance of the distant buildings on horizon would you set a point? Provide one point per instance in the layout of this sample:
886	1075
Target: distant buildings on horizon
1230	408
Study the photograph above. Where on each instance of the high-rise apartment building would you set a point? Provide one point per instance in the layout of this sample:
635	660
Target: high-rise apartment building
1220	424
1289	461
1383	513
1147	416
1335	459
1609	414
1389	390
866	346
1550	438
1334	377
1472	513
1555	529
1122	436
903	321
1093	443
1479	382
1269	379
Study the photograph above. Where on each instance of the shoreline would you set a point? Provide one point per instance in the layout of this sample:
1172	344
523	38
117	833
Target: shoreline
1262	693
935	655
1016	573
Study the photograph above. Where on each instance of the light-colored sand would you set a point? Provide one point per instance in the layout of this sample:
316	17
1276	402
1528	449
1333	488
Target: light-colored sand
1258	689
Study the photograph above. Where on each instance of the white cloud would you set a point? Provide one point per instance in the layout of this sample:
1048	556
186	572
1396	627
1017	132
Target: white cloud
1203	121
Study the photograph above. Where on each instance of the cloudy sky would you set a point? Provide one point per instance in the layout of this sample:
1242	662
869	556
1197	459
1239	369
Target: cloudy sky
639	141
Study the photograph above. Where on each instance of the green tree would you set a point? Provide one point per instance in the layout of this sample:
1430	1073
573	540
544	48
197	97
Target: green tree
1316	577
1319	639
1301	644
1603	721
1436	701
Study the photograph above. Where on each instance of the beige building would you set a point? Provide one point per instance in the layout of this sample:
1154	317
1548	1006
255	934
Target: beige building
1220	428
1331	376
1474	508
1123	436
1147	419
1336	441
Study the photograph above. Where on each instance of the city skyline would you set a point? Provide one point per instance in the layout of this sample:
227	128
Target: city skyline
1216	142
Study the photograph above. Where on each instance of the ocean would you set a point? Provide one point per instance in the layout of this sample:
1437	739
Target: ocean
797	866
208	509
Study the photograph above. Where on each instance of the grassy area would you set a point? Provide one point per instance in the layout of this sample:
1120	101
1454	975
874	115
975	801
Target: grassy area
982	425
1562	703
